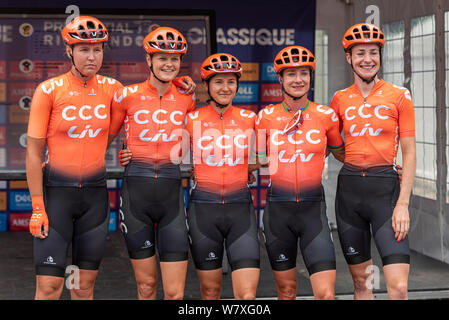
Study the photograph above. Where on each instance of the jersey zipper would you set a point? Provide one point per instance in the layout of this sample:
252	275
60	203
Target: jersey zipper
365	140
157	143
84	140
296	180
222	169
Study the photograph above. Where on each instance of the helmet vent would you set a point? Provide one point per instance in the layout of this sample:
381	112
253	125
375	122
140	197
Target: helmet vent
170	36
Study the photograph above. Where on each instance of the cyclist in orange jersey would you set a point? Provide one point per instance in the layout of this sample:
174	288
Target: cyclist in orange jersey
219	137
153	114
293	138
376	117
70	114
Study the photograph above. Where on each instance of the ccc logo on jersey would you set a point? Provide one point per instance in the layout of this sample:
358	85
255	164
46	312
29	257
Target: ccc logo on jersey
366	111
84	113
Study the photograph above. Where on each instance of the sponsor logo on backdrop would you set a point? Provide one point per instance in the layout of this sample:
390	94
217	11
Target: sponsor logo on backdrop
271	93
19	221
195	71
26	29
26	65
2	114
268	73
17	114
6	33
2	92
26	69
3	157
250	71
18	184
19	201
25	103
248	93
16	157
3	222
2	70
56	68
253	36
2	135
3	201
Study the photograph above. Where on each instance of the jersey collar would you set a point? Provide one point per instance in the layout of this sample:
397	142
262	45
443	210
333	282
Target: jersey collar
376	86
74	80
154	90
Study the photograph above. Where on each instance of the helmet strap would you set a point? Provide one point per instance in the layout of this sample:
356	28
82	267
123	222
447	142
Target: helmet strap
367	80
219	105
73	63
154	74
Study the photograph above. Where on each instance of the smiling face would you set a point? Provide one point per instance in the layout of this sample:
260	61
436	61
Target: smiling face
223	87
365	59
296	81
88	57
166	66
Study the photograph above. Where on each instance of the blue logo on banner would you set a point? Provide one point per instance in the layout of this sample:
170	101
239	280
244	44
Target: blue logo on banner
2	114
20	201
248	93
113	221
3	224
268	73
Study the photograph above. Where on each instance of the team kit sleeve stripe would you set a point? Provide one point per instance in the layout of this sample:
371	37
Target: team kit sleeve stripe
337	148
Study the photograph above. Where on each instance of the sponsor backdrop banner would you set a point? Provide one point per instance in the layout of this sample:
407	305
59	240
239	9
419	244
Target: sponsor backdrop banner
31	51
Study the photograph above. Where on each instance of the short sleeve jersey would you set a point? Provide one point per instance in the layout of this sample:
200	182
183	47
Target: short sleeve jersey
73	116
153	128
372	126
220	145
296	158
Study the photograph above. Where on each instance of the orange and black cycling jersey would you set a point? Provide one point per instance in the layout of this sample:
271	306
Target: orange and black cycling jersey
73	116
373	125
296	157
220	144
153	128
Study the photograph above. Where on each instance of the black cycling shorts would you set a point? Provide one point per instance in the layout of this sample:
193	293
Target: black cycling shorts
76	215
145	202
233	224
364	203
285	222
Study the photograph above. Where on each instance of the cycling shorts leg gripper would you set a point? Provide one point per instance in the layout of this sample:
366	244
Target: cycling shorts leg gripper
353	229
91	229
206	240
280	241
135	223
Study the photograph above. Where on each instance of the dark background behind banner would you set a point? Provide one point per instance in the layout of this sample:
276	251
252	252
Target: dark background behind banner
253	31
